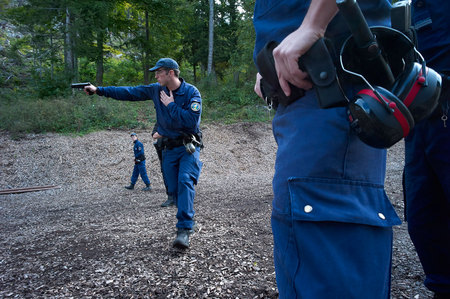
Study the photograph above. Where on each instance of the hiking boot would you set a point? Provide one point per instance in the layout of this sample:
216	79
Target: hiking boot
131	187
182	239
169	202
148	188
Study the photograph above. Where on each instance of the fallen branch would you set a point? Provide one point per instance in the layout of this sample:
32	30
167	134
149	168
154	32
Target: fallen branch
28	189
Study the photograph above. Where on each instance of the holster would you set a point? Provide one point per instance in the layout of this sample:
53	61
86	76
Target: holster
170	143
139	159
317	62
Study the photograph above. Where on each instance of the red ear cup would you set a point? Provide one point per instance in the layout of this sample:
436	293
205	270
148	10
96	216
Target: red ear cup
379	122
419	92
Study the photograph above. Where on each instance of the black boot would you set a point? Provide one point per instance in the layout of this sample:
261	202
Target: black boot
148	188
182	239
131	187
169	202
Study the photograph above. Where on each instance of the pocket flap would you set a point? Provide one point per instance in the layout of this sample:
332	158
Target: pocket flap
337	200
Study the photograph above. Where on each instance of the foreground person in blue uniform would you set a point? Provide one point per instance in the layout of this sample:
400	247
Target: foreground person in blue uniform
427	150
178	108
139	165
331	219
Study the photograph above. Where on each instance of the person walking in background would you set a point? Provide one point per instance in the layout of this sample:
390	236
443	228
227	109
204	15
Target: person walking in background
178	108
139	165
331	219
427	155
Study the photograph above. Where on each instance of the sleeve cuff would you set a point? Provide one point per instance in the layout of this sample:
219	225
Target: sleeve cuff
100	91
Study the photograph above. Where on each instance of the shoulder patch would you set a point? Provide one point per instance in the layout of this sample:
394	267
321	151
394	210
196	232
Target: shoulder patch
195	106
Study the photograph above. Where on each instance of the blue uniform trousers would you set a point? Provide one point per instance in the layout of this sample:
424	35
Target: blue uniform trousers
182	171
139	169
331	219
427	188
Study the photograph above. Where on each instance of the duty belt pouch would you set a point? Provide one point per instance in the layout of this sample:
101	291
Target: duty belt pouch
270	86
139	159
190	142
317	62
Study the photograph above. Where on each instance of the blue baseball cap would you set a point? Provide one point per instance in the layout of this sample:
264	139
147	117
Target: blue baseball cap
166	63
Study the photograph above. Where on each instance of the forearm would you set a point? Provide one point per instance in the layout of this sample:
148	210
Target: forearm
296	44
187	118
319	15
123	93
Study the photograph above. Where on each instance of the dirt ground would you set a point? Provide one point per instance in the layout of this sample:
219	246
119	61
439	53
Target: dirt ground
93	238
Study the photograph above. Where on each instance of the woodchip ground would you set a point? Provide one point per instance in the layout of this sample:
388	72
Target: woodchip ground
93	238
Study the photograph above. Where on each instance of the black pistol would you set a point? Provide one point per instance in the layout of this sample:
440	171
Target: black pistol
81	86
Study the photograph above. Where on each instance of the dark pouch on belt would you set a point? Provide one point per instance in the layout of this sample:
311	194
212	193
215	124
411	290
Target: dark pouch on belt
270	86
317	62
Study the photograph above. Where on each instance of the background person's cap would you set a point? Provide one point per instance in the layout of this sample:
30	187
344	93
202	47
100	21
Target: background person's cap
133	134
166	63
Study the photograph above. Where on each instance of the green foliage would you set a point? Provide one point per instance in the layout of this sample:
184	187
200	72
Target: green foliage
47	85
81	114
122	72
48	44
75	114
228	103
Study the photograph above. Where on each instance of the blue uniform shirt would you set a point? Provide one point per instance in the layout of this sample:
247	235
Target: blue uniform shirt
273	25
181	116
138	149
433	44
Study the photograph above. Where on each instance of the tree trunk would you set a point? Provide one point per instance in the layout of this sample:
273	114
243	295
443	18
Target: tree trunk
146	47
211	37
68	49
195	73
236	75
100	38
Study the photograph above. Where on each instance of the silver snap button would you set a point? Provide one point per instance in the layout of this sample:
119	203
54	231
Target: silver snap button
381	215
308	209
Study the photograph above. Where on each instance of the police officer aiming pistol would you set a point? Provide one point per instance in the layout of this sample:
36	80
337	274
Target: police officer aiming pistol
178	106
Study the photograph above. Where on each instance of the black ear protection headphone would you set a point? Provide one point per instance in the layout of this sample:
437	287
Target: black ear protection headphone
382	116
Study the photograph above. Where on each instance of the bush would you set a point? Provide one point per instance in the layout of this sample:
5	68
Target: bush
229	103
75	114
21	113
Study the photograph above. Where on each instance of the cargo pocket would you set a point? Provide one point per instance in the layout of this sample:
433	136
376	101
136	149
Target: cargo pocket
337	200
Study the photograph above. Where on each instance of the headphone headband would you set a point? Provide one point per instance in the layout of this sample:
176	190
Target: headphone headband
394	46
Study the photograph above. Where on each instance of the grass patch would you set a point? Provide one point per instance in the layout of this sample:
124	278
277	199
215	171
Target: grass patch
81	114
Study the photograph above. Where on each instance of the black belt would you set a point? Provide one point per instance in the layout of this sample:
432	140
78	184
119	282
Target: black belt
170	143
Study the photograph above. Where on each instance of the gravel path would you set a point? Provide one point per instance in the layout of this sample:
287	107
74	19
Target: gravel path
93	238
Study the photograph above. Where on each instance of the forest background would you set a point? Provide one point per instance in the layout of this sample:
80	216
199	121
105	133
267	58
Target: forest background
47	44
